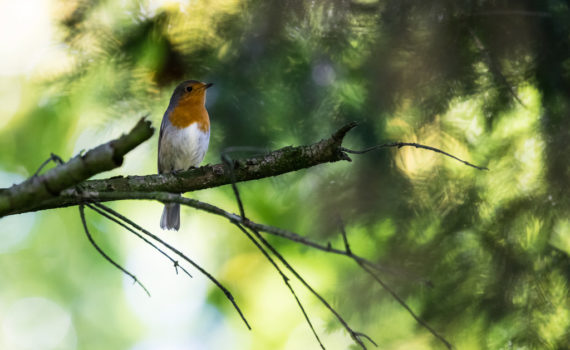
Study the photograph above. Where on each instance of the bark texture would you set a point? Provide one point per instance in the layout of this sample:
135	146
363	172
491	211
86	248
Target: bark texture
57	188
28	194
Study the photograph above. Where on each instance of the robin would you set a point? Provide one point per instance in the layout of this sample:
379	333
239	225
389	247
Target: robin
183	139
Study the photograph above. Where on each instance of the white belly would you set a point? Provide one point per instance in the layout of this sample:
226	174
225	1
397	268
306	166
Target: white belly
181	149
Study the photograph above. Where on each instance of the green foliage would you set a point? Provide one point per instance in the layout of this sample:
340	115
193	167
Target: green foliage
483	257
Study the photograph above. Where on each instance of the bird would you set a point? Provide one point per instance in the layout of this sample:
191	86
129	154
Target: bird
183	139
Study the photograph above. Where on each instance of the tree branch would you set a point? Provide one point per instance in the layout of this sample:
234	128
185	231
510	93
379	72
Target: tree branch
284	160
416	145
255	228
391	291
285	280
104	255
22	197
170	247
56	189
65	185
176	264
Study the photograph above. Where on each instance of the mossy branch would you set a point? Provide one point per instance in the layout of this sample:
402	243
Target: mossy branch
284	160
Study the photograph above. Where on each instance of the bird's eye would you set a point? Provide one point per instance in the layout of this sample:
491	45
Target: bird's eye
188	88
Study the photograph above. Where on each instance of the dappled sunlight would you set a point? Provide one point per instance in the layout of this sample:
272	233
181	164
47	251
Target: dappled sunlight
10	98
15	229
418	163
464	117
520	121
19	54
529	155
36	323
192	29
552	324
301	338
176	300
561	235
480	256
516	160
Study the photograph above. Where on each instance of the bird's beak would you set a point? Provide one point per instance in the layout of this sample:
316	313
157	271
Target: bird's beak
208	85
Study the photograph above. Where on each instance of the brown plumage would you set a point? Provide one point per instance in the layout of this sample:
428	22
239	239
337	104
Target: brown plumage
183	139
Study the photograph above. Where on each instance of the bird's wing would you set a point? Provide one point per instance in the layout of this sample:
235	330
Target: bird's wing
162	127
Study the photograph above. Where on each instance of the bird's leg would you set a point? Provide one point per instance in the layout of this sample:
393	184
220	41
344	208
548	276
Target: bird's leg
180	171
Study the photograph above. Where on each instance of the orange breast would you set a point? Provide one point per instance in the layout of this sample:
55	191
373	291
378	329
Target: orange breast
188	112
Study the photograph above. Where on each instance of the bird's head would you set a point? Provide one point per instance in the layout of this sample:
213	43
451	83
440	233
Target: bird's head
190	92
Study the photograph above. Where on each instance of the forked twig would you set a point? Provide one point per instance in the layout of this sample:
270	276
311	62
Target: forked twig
95	197
354	335
393	293
103	254
233	218
251	230
228	162
229	165
95	207
52	158
285	279
226	292
56	159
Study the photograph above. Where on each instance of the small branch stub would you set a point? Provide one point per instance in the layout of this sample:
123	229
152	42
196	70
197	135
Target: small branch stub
281	161
56	188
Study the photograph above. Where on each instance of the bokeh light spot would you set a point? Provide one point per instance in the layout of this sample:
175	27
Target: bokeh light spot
35	323
10	97
15	228
25	34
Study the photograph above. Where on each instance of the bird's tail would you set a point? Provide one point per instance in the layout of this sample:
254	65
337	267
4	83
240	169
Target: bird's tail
170	219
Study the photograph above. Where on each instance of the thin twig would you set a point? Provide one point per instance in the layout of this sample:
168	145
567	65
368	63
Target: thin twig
285	279
353	334
229	164
226	292
95	197
236	219
396	296
405	306
52	158
344	238
365	336
294	237
227	160
135	279
413	144
96	207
